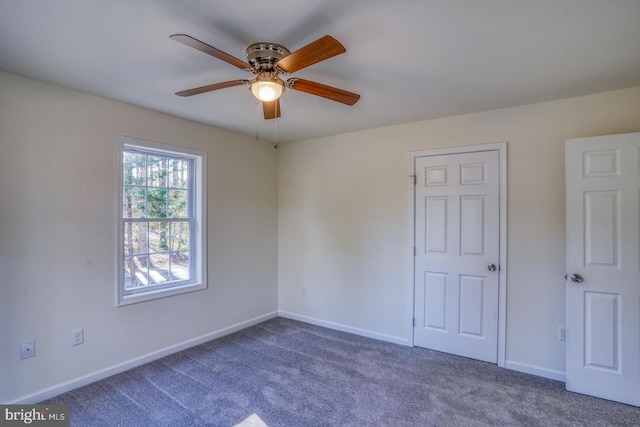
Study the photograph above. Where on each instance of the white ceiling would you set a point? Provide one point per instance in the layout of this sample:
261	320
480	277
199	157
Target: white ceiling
409	59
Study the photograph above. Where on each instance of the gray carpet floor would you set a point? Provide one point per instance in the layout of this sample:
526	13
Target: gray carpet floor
295	374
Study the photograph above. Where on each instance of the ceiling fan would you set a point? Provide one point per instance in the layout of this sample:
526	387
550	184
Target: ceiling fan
268	61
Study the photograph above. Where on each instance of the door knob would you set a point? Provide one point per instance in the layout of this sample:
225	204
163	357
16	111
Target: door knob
491	267
577	278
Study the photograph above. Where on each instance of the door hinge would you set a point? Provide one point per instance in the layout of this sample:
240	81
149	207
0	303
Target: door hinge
415	179
414	322
415	251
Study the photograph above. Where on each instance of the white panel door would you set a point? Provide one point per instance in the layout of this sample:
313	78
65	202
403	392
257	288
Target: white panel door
603	267
457	226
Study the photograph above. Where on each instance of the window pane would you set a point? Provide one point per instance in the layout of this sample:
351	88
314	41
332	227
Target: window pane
135	238
180	266
134	168
159	268
178	173
133	203
180	236
156	171
157	203
178	203
135	272
158	236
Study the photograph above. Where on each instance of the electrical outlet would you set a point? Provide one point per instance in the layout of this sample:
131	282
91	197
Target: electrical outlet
27	349
562	333
77	336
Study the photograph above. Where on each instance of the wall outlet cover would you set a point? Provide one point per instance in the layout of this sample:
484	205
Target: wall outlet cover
562	333
77	336
27	349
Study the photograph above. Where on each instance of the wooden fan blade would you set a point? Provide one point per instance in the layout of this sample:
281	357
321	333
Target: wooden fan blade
318	89
217	53
271	109
324	48
209	88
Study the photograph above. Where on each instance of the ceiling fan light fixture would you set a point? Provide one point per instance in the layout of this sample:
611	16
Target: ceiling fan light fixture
266	89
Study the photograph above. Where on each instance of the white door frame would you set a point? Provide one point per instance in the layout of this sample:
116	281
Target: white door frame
501	147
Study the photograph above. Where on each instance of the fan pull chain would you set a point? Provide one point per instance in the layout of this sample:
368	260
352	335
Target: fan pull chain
275	130
257	119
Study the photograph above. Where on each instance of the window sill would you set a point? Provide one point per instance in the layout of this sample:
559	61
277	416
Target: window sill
123	300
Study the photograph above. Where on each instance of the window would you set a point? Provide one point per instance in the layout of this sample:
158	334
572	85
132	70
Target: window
161	226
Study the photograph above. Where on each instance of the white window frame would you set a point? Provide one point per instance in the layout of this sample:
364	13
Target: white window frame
198	255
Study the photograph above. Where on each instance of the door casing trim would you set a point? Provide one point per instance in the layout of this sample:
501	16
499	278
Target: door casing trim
501	148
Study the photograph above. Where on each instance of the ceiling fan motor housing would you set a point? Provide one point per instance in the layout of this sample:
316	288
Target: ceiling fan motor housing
262	56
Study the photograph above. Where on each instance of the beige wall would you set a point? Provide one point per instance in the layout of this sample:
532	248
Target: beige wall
343	222
58	188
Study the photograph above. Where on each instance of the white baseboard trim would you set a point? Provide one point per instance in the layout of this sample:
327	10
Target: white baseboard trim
129	364
345	328
536	370
149	357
